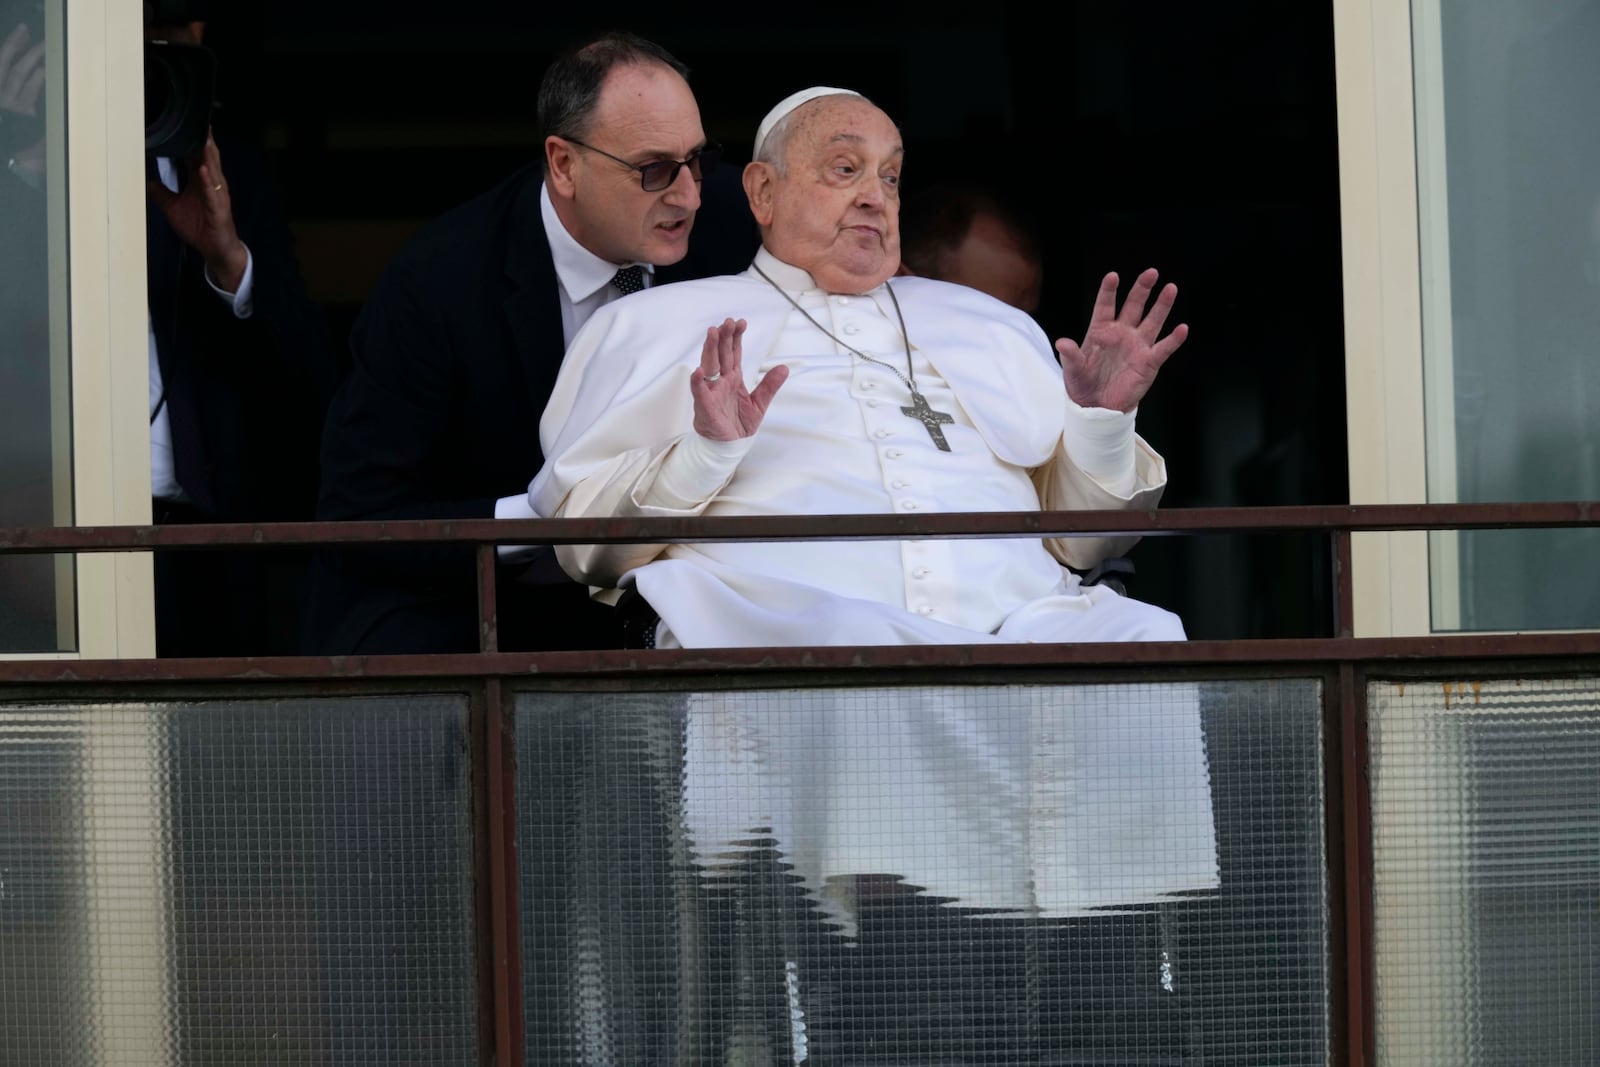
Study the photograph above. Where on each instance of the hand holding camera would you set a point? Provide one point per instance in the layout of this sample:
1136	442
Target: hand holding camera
179	94
201	214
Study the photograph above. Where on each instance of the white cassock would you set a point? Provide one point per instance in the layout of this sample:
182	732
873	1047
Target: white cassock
619	441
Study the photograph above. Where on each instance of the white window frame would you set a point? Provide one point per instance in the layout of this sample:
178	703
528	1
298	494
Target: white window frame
96	140
1383	306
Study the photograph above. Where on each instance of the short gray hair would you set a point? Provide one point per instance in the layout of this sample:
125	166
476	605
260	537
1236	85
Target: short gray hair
774	148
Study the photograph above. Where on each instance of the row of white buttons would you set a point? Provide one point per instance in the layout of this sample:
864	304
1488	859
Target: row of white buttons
918	573
891	453
883	432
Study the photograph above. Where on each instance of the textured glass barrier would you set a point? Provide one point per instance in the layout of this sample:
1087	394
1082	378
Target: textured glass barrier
1486	871
237	882
1107	874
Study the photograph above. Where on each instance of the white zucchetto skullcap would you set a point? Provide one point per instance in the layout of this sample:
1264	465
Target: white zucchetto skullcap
788	104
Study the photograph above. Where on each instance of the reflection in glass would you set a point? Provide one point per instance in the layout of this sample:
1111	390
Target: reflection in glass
1509	188
1005	874
275	881
36	612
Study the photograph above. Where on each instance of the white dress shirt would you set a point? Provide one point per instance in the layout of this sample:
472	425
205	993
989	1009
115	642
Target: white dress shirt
585	287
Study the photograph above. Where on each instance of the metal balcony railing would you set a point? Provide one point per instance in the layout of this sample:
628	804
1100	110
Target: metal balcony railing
316	874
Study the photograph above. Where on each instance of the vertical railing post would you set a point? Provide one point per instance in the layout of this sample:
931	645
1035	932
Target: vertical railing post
1344	597
488	610
502	941
1354	845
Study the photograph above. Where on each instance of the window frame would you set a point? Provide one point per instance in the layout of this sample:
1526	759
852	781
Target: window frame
1383	307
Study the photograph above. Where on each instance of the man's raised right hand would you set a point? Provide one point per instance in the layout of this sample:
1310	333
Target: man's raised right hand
724	410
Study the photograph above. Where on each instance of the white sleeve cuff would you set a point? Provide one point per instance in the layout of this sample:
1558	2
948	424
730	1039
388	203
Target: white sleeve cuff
515	507
694	470
243	301
1100	442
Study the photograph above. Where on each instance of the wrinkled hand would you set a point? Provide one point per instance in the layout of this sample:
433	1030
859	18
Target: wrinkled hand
724	410
1120	355
21	72
201	214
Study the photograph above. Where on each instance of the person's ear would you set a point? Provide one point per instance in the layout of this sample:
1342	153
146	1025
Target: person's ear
760	182
560	160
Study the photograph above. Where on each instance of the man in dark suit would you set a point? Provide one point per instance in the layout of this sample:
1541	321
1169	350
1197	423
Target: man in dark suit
456	350
241	370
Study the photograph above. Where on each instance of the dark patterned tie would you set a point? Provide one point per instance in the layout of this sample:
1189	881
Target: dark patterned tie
629	280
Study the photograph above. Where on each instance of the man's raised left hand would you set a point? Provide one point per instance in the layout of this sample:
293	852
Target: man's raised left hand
1122	351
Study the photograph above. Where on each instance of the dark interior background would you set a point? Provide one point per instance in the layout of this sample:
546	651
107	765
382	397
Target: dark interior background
1199	139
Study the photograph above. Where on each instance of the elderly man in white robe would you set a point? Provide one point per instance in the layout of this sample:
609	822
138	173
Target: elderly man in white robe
812	385
915	396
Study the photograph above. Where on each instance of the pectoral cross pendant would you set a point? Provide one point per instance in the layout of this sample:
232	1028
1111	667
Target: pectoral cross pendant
923	412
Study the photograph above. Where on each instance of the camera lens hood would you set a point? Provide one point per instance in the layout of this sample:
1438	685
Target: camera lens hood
180	83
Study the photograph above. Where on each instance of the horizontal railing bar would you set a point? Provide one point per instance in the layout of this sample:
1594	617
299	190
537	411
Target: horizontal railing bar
1170	521
1271	653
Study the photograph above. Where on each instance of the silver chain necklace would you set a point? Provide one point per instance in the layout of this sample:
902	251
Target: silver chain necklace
920	409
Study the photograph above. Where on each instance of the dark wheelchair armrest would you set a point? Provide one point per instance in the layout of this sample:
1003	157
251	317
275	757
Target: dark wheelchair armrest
638	620
1112	573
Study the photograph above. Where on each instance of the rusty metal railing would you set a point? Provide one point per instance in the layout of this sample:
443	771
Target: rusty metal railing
1338	522
1343	663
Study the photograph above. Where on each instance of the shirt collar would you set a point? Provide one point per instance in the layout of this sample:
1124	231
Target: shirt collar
797	280
792	278
580	271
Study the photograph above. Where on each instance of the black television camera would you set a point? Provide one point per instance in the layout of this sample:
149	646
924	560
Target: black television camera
180	81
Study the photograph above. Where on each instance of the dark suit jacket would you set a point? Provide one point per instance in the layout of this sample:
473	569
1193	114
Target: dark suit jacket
453	358
245	399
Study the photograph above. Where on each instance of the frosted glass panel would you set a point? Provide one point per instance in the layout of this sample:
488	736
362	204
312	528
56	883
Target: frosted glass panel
1509	199
238	882
1486	872
918	876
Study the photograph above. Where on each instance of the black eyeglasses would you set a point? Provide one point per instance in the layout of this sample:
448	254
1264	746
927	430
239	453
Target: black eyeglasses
654	177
